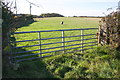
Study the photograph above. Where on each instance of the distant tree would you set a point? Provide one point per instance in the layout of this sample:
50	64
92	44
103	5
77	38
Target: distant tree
51	15
74	16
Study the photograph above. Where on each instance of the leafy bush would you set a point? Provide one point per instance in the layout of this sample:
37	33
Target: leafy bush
7	16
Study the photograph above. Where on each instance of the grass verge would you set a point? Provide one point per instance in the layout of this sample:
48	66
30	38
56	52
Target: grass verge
100	62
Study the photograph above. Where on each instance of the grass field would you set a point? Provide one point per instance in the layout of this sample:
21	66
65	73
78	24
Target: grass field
95	64
54	24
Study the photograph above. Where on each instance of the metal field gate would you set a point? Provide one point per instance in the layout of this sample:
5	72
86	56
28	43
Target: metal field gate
31	45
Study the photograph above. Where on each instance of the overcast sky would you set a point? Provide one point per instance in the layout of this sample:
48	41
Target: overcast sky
67	7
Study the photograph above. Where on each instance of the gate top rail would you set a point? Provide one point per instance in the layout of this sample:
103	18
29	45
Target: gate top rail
53	30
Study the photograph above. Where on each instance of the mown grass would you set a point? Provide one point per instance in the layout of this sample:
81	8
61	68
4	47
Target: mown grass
54	24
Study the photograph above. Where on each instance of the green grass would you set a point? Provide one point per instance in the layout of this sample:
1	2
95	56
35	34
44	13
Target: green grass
96	64
100	62
54	24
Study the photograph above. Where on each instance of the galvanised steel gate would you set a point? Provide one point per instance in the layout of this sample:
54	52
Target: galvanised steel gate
24	55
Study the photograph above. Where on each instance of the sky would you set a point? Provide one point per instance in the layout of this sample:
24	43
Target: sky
67	7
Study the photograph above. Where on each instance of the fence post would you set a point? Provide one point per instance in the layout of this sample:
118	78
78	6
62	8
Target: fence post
82	40
63	42
39	37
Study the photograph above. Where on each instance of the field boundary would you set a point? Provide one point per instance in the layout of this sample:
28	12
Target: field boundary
63	46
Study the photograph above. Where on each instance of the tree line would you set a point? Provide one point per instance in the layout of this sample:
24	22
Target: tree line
51	15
